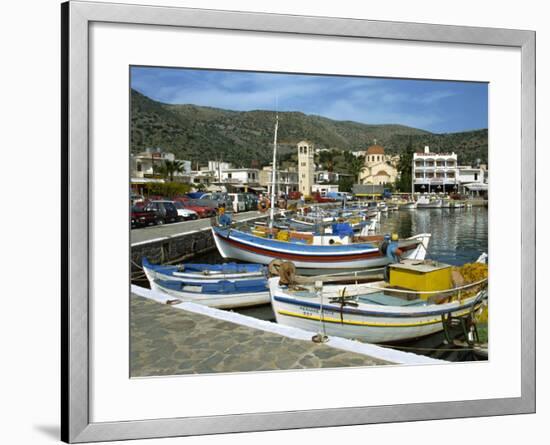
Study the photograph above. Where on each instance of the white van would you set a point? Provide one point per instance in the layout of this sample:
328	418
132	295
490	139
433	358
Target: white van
238	202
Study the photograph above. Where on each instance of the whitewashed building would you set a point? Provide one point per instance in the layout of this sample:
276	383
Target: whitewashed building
287	180
324	176
217	167
435	172
473	180
145	163
240	179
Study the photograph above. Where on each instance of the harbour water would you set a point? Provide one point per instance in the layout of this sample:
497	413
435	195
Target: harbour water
459	236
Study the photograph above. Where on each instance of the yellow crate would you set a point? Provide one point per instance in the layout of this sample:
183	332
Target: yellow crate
421	277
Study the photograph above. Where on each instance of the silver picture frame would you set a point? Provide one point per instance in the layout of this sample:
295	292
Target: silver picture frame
75	396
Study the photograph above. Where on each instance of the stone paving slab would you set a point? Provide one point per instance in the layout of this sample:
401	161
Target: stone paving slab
169	341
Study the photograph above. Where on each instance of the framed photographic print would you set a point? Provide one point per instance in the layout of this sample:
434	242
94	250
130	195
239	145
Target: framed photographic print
276	222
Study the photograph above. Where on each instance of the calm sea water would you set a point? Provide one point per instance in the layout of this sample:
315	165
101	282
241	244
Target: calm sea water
458	235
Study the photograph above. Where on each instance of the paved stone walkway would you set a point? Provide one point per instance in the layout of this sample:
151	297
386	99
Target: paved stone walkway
169	341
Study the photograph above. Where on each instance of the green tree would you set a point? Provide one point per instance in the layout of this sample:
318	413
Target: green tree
405	168
345	183
355	165
169	168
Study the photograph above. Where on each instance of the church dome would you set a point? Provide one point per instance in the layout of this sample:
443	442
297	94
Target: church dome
375	150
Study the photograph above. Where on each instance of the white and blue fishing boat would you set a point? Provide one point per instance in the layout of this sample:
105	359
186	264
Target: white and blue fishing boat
223	286
373	312
338	252
203	273
220	294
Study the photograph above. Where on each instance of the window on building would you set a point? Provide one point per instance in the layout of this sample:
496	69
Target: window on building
475	176
229	176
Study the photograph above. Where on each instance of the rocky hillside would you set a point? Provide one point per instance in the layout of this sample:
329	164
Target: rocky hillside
244	138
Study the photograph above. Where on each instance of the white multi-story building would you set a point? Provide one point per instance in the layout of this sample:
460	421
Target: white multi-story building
324	176
435	172
472	180
306	167
147	163
203	177
240	178
217	167
287	180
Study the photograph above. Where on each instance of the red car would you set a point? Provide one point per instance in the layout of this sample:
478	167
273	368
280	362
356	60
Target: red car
202	211
317	197
294	196
142	217
154	212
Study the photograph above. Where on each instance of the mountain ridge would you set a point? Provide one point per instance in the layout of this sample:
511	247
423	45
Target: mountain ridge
245	138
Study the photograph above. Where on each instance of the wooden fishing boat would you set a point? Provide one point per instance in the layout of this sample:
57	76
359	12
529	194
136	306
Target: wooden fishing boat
202	273
373	312
424	202
411	205
313	253
220	294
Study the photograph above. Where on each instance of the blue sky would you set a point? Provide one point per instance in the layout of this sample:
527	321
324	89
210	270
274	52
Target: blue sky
436	106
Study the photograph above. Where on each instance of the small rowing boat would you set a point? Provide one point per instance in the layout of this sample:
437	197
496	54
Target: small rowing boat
220	294
202	273
224	286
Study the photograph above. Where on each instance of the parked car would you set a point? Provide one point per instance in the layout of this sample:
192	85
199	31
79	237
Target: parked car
202	211
184	213
294	196
142	217
317	197
165	211
237	202
195	195
135	198
250	201
216	200
339	196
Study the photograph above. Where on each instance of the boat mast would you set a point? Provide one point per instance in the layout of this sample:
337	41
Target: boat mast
273	173
413	173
